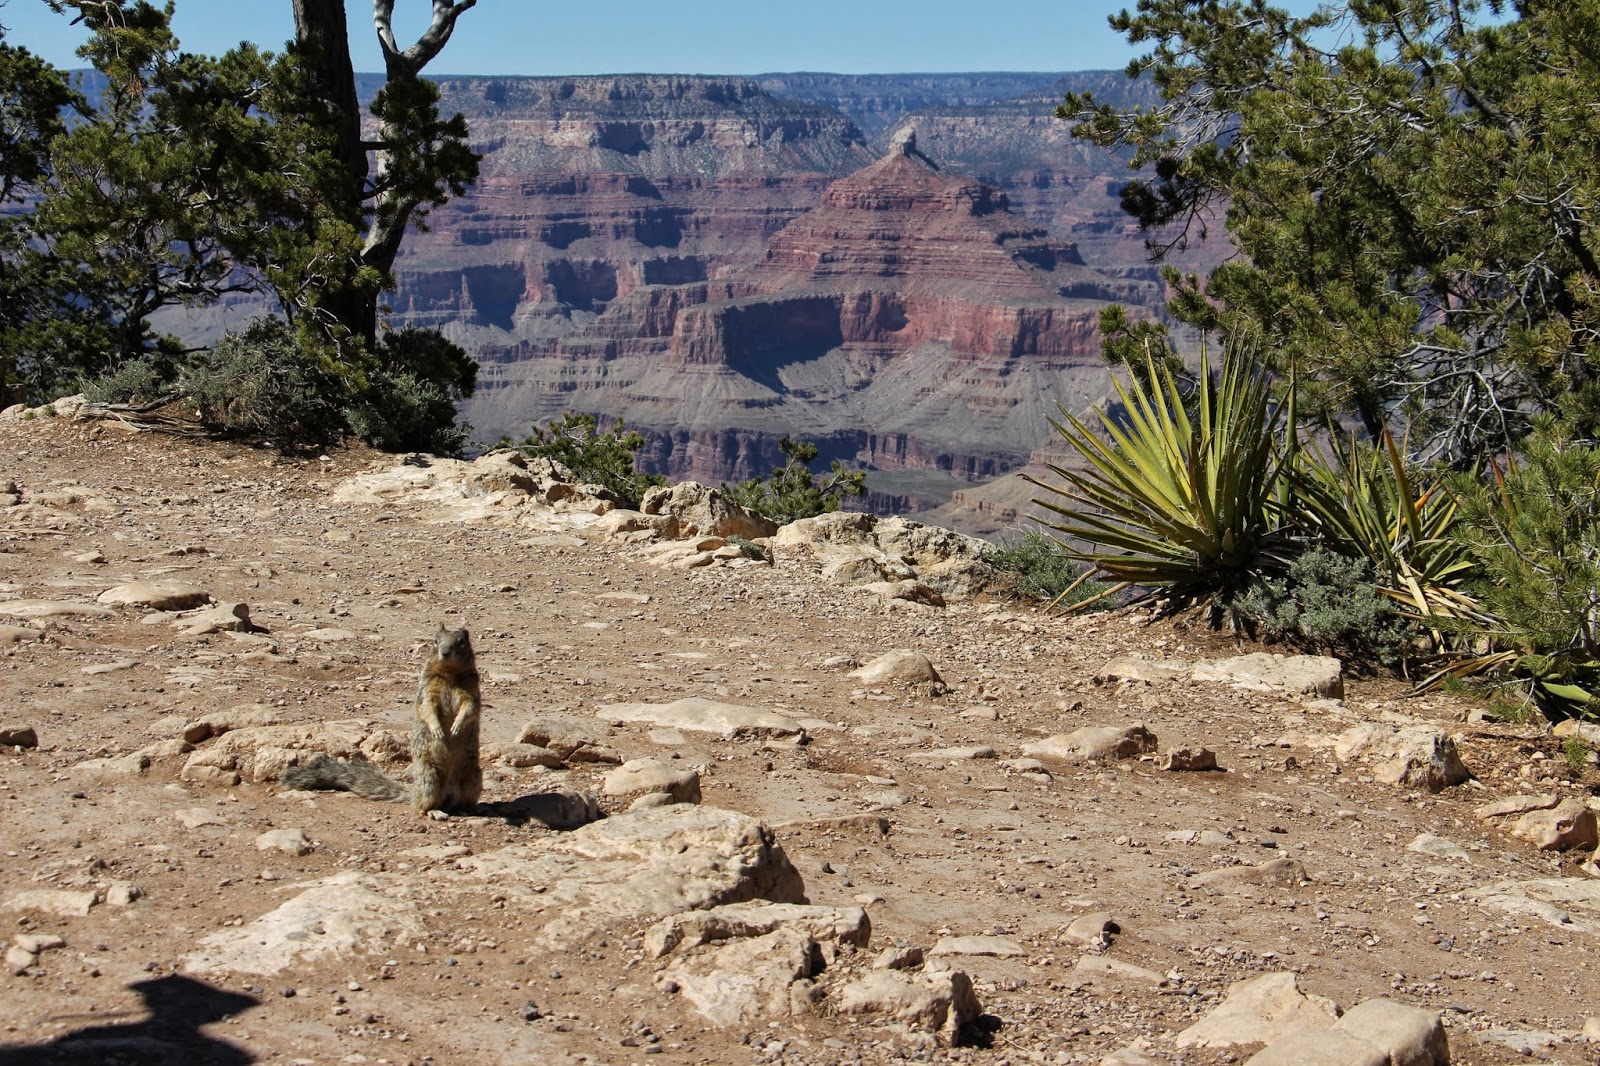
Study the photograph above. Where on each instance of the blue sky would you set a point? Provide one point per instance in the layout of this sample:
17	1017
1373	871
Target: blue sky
672	36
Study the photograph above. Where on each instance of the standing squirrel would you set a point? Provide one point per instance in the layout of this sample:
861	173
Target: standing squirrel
445	774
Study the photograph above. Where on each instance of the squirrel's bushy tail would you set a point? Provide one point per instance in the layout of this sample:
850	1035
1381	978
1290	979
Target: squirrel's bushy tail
356	775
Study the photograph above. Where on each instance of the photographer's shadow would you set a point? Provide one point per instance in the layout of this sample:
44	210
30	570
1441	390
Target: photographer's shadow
178	1007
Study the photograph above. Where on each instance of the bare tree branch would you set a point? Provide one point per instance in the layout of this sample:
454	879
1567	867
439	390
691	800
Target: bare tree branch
410	61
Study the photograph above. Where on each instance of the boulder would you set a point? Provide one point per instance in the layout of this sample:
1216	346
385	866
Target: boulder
1412	755
911	667
639	777
747	980
1569	825
157	595
1318	675
845	925
1259	1011
1095	742
923	1002
697	510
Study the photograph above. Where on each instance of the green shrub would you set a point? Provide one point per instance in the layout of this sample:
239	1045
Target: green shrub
1329	603
266	382
409	402
604	459
1576	751
1180	495
792	492
1534	535
1035	567
135	381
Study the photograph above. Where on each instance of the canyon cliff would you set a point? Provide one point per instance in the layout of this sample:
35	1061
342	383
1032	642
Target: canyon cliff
906	270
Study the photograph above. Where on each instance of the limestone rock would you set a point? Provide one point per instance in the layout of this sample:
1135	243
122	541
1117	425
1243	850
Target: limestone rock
1438	847
157	595
923	1002
52	609
1569	825
845	925
1318	675
1319	1047
523	756
60	902
640	865
1095	742
222	618
1509	805
1097	969
748	979
328	920
244	716
1190	759
288	841
1408	1035
557	808
19	634
1095	929
701	511
1259	1011
644	776
911	667
704	716
114	766
1416	755
996	946
1287	873
1147	671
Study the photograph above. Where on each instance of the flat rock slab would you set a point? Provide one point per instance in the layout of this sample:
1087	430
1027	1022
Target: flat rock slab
1570	903
924	1002
1509	805
1260	1011
61	902
1097	969
995	946
326	921
746	980
157	595
1319	675
53	609
18	634
642	864
643	776
1569	825
1438	847
704	716
846	925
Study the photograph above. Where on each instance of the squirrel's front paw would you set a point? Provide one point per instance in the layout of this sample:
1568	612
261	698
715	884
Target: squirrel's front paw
439	816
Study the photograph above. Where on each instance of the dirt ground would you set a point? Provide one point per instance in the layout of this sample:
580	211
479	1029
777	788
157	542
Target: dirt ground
349	593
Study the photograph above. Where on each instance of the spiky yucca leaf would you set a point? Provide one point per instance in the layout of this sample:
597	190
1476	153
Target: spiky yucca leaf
1181	496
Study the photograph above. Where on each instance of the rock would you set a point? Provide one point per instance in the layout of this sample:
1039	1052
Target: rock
60	902
1287	873
1147	671
1133	1055
157	595
1319	1047
1591	1030
328	920
898	958
37	943
288	841
244	716
1097	969
1186	759
19	634
908	666
1572	727
1095	929
908	590
845	925
704	716
52	609
702	511
1571	824
1211	838
651	799
1095	742
223	618
1572	904
747	980
1407	1035
640	865
558	808
1525	1042
968	753
996	946
123	893
114	766
523	756
1500	808
1259	1011
1415	756
572	746
924	1002
1318	675
644	776
1438	847
17	960
22	736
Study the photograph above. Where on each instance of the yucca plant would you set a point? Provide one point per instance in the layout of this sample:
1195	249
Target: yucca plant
1180	496
1361	501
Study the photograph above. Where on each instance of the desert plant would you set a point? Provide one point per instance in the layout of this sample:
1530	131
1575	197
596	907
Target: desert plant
1182	498
1036	567
134	381
1534	533
1576	751
605	459
792	492
1361	501
409	402
1327	602
267	382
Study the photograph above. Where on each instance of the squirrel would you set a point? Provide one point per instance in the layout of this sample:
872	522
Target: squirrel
445	773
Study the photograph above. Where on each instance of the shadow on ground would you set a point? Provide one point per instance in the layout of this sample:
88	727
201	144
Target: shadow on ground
178	1006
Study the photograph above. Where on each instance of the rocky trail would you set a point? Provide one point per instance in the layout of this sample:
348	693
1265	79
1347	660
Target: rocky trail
842	807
